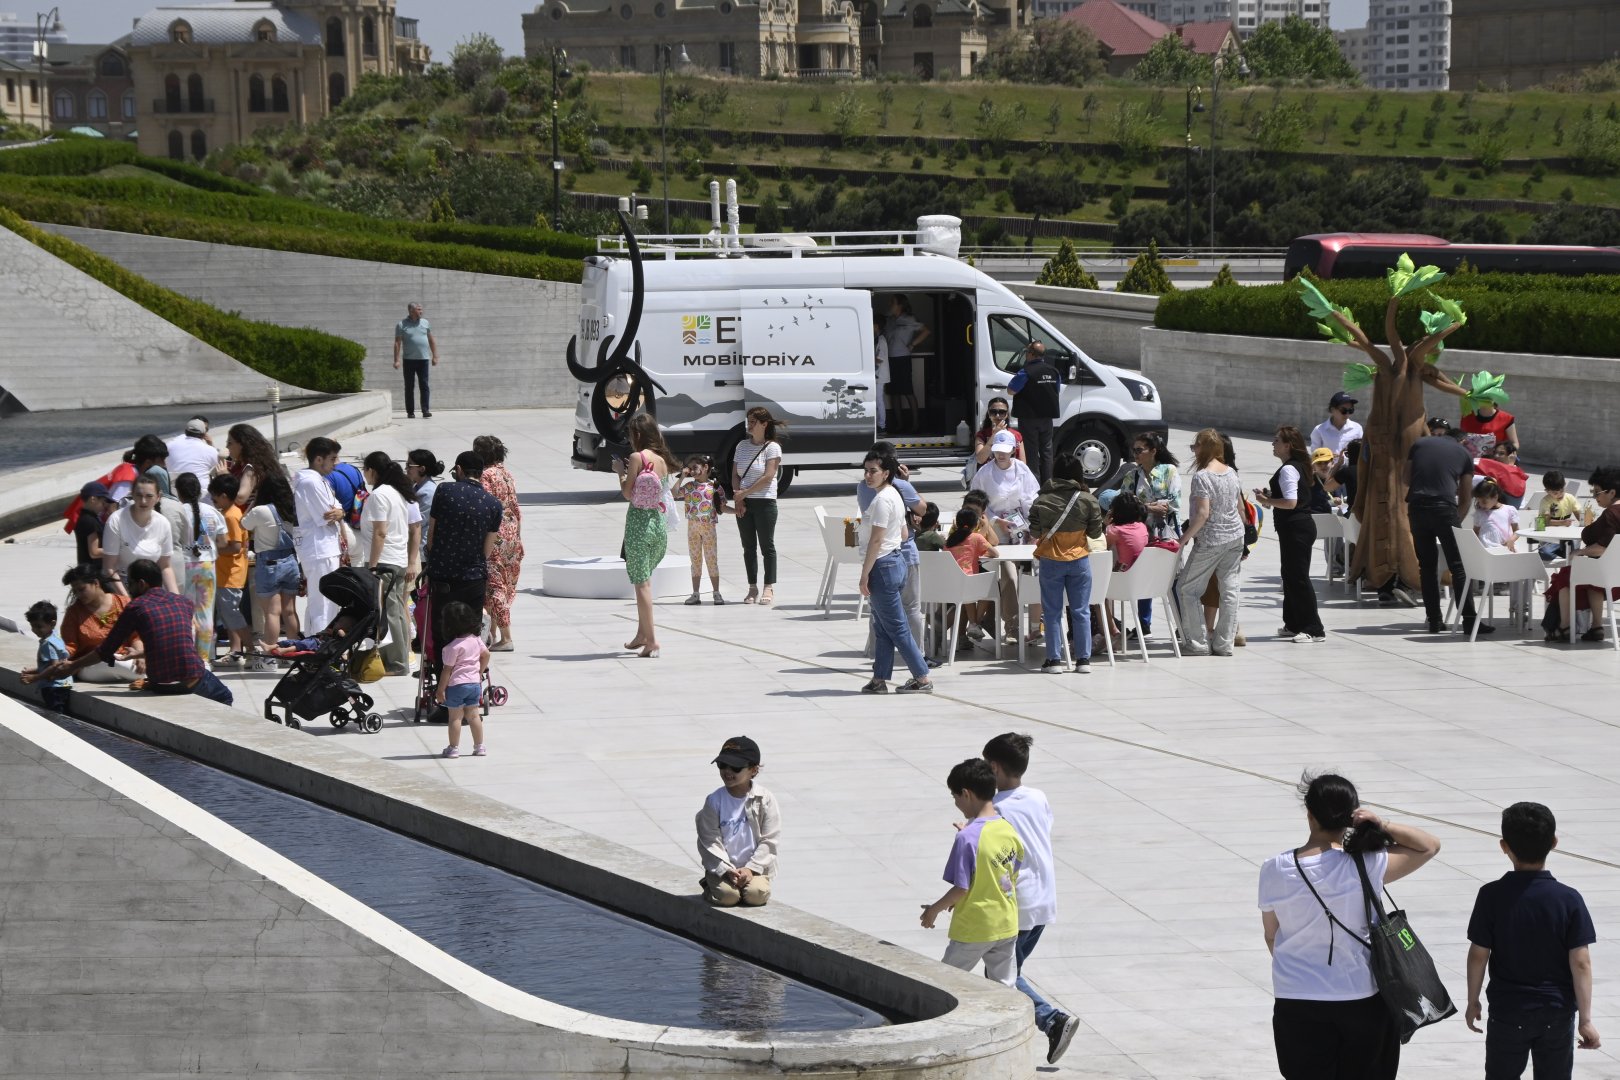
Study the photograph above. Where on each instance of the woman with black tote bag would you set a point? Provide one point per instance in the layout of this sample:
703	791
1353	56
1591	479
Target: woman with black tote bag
1329	1022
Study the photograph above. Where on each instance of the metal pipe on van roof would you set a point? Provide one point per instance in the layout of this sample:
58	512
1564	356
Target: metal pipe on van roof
714	209
732	218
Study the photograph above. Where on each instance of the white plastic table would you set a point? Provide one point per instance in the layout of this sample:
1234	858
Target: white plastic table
1011	555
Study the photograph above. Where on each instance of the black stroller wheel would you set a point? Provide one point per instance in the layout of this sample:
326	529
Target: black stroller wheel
293	723
338	719
371	724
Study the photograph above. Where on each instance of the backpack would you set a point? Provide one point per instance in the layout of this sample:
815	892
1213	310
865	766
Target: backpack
1251	522
647	493
350	488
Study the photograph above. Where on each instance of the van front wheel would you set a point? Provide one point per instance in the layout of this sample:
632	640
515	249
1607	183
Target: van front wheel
1099	449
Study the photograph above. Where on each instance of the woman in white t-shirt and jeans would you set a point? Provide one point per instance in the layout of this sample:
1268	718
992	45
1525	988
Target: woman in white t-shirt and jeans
883	575
1328	1020
754	468
386	544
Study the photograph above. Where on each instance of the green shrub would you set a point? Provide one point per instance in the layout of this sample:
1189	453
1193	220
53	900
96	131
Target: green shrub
68	157
1520	313
437	248
307	358
1223	277
1146	274
1064	269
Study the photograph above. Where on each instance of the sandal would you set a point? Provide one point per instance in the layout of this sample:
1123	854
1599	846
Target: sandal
1561	634
752	597
767	597
1594	634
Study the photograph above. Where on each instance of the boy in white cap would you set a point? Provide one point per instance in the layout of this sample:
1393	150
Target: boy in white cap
737	830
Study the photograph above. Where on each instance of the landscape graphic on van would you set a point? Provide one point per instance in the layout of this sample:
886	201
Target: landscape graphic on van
843	407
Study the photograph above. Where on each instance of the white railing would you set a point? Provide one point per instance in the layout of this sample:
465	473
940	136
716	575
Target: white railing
899	242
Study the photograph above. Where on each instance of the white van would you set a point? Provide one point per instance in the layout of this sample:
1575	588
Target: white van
788	324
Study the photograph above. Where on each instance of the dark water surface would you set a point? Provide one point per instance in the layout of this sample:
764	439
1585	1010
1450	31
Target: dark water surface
41	438
537	939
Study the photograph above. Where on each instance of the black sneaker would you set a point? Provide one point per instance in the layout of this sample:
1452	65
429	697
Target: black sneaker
876	686
915	686
1082	667
1484	628
1052	667
1059	1035
1437	627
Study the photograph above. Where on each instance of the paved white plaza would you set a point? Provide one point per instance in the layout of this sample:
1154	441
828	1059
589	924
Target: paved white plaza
1171	780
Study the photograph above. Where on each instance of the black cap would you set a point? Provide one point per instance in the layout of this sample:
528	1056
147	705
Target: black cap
1341	398
1439	422
739	752
95	489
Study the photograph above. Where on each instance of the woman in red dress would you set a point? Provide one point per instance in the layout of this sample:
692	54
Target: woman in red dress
506	561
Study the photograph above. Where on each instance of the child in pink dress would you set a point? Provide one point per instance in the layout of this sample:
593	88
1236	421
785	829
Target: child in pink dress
461	690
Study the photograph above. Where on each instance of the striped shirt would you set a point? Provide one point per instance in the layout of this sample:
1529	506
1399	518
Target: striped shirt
752	461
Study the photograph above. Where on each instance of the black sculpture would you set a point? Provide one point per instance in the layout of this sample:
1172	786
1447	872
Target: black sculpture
612	420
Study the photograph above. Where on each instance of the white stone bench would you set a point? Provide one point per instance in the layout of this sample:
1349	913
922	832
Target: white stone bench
605	578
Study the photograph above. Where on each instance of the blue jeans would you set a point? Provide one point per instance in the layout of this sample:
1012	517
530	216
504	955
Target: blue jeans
890	630
1545	1037
1144	611
208	686
1027	940
1071	579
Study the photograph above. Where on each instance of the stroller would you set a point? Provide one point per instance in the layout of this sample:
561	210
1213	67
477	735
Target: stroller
318	681
427	708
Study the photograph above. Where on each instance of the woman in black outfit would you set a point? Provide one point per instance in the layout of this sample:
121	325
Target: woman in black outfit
1289	499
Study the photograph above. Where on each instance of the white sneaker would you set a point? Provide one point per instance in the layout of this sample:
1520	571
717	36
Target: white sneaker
1302	638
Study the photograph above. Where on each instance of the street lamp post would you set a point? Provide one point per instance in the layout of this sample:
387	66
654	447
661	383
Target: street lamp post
664	61
559	57
1195	104
53	19
1214	119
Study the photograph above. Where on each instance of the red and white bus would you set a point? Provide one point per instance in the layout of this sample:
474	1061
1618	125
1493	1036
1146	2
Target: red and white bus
1369	255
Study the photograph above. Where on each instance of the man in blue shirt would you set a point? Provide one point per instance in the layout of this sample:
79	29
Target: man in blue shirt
1532	932
414	344
911	591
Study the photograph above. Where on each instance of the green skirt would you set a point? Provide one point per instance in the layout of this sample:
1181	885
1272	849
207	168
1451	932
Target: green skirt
645	541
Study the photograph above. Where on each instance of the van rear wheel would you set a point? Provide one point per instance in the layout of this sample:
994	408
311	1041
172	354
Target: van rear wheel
1099	449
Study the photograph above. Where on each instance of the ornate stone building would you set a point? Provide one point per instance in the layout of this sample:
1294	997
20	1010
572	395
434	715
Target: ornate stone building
757	38
91	86
22	99
207	75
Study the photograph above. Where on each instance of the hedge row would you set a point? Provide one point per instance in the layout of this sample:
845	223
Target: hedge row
36	203
1506	313
71	164
307	358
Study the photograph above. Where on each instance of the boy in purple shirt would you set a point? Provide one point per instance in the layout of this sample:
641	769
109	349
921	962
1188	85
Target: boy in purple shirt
983	874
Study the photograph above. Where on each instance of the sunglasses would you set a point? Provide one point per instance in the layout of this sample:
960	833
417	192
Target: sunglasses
1346	410
732	768
997	412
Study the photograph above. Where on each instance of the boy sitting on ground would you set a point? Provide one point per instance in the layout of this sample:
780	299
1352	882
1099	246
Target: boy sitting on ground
983	874
1533	932
737	830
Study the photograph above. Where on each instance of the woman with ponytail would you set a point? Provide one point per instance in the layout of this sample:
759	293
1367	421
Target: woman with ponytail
390	543
204	526
1328	1020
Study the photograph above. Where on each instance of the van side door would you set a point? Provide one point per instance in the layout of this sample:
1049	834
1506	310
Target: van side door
808	358
689	345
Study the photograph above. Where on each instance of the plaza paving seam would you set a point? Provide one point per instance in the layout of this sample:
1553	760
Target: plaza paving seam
1007	710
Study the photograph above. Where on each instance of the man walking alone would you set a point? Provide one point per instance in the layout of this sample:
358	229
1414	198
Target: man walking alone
413	343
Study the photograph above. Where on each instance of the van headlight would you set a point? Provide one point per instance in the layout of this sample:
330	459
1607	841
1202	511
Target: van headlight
1140	391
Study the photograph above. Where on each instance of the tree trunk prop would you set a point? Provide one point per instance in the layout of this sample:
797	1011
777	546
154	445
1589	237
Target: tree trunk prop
1398	373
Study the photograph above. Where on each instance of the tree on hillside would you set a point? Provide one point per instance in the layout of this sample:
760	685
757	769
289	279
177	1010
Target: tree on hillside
1294	49
1057	51
473	58
1598	226
1146	275
1064	270
1171	61
1045	193
1384	553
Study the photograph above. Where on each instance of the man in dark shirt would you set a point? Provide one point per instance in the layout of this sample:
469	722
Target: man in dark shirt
1036	401
167	627
1533	932
94	498
1439	492
462	528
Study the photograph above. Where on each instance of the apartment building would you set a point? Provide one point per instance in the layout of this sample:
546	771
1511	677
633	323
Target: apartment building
1407	45
18	34
1248	15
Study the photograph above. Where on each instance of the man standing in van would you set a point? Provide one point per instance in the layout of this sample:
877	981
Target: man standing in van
1035	394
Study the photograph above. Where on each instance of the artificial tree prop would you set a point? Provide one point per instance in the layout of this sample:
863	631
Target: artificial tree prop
1384	551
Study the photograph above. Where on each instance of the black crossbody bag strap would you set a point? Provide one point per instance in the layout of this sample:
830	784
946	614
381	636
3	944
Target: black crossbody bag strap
1374	905
1333	920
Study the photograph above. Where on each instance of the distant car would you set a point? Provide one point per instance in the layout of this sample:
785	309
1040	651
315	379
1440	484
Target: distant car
1369	255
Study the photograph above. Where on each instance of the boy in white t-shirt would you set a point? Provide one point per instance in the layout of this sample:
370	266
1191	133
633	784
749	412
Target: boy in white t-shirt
1030	815
737	830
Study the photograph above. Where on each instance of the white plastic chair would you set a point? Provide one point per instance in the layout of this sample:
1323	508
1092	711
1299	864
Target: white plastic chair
942	581
832	538
1352	535
1102	578
1602	572
1151	577
1489	568
1329	527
